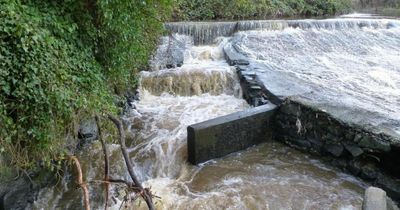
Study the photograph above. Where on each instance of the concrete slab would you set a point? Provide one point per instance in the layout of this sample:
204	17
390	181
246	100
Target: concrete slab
218	137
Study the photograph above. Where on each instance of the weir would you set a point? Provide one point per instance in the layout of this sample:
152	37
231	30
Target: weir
206	32
349	126
254	87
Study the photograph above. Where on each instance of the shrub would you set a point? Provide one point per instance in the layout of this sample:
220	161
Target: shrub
60	61
256	9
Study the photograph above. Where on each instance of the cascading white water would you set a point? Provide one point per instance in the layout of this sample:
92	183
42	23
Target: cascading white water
269	176
352	68
203	71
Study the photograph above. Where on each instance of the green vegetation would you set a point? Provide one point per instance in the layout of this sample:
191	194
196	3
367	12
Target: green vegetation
381	7
64	60
256	9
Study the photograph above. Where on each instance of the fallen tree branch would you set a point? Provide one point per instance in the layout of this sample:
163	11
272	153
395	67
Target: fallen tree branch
80	182
144	192
106	163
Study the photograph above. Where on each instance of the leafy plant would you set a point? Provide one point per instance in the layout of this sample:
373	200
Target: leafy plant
256	9
62	61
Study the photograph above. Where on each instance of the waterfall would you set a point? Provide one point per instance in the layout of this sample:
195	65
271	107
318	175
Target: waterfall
191	82
203	32
349	67
206	32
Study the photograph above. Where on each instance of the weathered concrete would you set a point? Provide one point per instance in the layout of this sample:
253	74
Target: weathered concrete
254	91
220	136
374	199
207	32
317	117
233	57
357	138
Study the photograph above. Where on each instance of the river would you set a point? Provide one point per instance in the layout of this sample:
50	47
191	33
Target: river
204	86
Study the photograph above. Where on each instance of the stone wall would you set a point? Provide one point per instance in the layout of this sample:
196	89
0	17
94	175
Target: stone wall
374	157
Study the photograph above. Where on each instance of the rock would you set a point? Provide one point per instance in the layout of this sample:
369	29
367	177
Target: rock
357	138
12	193
335	130
349	136
369	171
334	149
290	108
328	137
301	143
340	163
391	205
354	167
374	143
170	53
87	132
390	185
354	150
316	144
374	199
21	193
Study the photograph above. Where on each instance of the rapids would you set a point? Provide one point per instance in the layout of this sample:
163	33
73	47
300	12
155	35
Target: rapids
268	176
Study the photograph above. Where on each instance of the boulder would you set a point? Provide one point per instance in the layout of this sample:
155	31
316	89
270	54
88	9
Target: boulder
370	142
354	150
334	149
374	199
391	205
87	132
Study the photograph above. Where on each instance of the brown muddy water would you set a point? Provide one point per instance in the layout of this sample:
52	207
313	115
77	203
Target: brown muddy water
268	176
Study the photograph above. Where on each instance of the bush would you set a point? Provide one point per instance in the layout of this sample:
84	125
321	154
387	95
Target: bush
129	32
59	60
256	9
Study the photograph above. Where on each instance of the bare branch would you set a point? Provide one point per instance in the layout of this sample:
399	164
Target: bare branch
106	163
80	182
145	193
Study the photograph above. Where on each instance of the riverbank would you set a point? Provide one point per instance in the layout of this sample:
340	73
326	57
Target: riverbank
192	10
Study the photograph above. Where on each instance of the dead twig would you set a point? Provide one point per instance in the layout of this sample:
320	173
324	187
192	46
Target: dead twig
81	183
106	163
144	192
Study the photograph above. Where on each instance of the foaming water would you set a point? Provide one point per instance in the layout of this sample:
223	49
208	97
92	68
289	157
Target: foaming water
161	128
203	71
206	32
269	176
354	68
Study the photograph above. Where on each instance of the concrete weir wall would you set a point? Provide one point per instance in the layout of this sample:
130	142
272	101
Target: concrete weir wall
362	151
220	136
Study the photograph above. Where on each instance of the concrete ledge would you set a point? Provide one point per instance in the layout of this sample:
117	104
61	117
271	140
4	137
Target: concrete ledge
233	57
254	91
220	136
